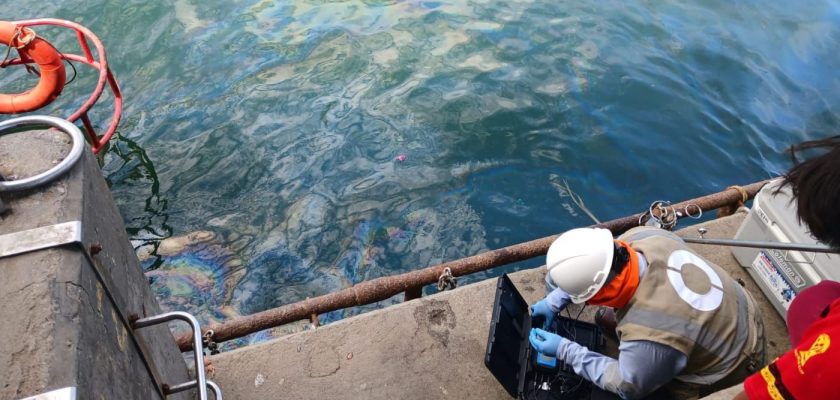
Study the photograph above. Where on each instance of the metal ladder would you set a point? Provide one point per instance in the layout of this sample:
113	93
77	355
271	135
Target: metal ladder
200	382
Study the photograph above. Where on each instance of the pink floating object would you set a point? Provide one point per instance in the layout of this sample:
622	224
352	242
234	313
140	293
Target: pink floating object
400	158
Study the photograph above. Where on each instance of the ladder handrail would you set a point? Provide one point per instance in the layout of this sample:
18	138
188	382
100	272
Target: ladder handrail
201	379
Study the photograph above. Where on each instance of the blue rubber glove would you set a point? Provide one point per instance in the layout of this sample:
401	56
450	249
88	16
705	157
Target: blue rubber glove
548	307
543	309
545	342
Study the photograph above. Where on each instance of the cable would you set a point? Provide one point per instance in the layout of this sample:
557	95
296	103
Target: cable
65	60
74	71
571	328
563	383
577	318
31	70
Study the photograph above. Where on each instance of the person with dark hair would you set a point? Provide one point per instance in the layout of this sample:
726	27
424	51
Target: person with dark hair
685	327
815	184
810	370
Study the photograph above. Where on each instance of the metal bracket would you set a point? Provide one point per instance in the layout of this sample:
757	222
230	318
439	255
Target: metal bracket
68	393
45	237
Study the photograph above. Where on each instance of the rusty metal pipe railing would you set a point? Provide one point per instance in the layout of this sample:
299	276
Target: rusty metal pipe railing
379	289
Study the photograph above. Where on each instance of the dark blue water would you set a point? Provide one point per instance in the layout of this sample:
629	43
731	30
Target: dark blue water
319	143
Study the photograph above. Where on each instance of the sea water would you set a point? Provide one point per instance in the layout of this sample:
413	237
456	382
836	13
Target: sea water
307	146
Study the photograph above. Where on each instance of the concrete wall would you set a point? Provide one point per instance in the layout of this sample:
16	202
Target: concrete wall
60	327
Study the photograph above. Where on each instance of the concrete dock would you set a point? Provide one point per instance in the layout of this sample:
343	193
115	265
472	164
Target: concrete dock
429	348
67	310
70	282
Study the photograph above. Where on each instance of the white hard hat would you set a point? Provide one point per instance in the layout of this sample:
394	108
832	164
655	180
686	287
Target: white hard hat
579	261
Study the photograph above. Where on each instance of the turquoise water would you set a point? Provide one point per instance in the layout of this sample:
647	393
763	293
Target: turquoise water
322	143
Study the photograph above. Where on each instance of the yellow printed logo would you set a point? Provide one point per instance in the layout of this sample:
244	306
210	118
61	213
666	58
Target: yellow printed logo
820	346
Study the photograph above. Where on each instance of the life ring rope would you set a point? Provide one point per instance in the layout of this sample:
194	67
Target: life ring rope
6	61
21	43
52	76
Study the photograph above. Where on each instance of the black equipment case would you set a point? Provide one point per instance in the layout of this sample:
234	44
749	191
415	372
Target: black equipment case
514	363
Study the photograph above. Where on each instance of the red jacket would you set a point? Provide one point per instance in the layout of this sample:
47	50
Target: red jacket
811	370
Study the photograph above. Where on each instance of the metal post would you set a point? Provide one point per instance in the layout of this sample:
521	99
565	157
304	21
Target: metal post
3	208
201	380
413	293
813	248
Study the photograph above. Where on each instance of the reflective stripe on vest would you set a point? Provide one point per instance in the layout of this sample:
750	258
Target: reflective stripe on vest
703	302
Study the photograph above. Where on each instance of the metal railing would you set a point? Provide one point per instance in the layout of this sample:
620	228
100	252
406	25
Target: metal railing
105	76
411	283
59	169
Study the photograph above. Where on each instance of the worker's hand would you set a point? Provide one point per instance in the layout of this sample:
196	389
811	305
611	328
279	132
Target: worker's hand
543	309
548	307
545	342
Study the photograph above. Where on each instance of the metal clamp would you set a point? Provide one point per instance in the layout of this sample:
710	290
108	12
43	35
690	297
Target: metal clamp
54	172
662	214
207	341
200	383
446	281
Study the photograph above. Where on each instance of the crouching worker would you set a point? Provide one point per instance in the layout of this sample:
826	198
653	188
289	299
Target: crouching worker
685	327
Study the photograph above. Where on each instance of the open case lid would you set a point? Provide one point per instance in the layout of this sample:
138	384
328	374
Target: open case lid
508	341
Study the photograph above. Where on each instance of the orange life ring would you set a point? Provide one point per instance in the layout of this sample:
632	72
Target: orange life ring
49	61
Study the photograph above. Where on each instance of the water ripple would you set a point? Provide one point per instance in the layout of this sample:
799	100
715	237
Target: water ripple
329	142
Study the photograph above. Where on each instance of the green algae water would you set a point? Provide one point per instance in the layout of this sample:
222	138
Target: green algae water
305	146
